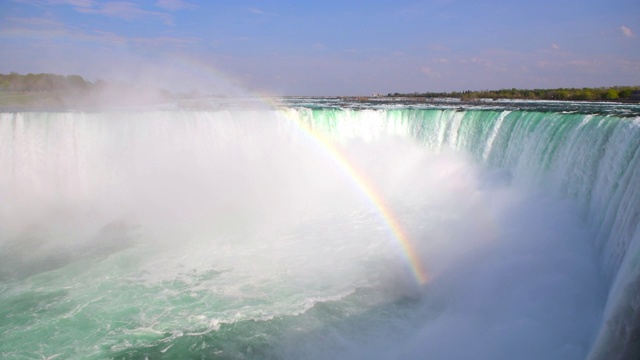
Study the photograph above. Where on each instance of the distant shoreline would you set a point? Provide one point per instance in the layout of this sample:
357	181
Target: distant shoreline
419	99
612	93
129	100
58	92
62	85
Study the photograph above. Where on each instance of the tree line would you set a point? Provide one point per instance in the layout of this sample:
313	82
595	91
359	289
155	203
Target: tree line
15	82
604	93
52	90
43	82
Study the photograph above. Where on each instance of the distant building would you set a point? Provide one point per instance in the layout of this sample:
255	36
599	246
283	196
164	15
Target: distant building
635	95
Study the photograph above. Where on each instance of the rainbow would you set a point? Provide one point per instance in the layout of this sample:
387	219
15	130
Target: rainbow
370	193
326	145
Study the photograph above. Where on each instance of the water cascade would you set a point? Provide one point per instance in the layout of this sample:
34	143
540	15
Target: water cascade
321	233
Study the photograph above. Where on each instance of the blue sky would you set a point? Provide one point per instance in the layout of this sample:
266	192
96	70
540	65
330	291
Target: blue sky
330	47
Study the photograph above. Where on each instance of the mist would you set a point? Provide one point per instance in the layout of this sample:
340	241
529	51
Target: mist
258	223
513	272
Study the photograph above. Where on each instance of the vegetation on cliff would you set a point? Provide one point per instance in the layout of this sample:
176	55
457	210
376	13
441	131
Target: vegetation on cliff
65	91
43	82
592	94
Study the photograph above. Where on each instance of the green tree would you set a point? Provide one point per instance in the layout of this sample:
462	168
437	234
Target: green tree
561	94
610	94
584	94
625	93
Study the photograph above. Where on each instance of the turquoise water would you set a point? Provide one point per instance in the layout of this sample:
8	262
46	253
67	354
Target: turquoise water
234	234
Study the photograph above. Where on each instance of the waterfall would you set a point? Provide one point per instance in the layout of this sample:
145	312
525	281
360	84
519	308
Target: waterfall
593	160
111	162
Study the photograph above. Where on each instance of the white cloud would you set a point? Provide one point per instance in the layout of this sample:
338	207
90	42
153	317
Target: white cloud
627	32
33	23
630	64
42	28
174	5
255	10
77	3
126	11
543	63
555	46
430	72
438	47
319	46
581	63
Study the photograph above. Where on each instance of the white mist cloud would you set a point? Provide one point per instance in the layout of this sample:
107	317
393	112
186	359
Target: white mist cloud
626	31
513	275
534	286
